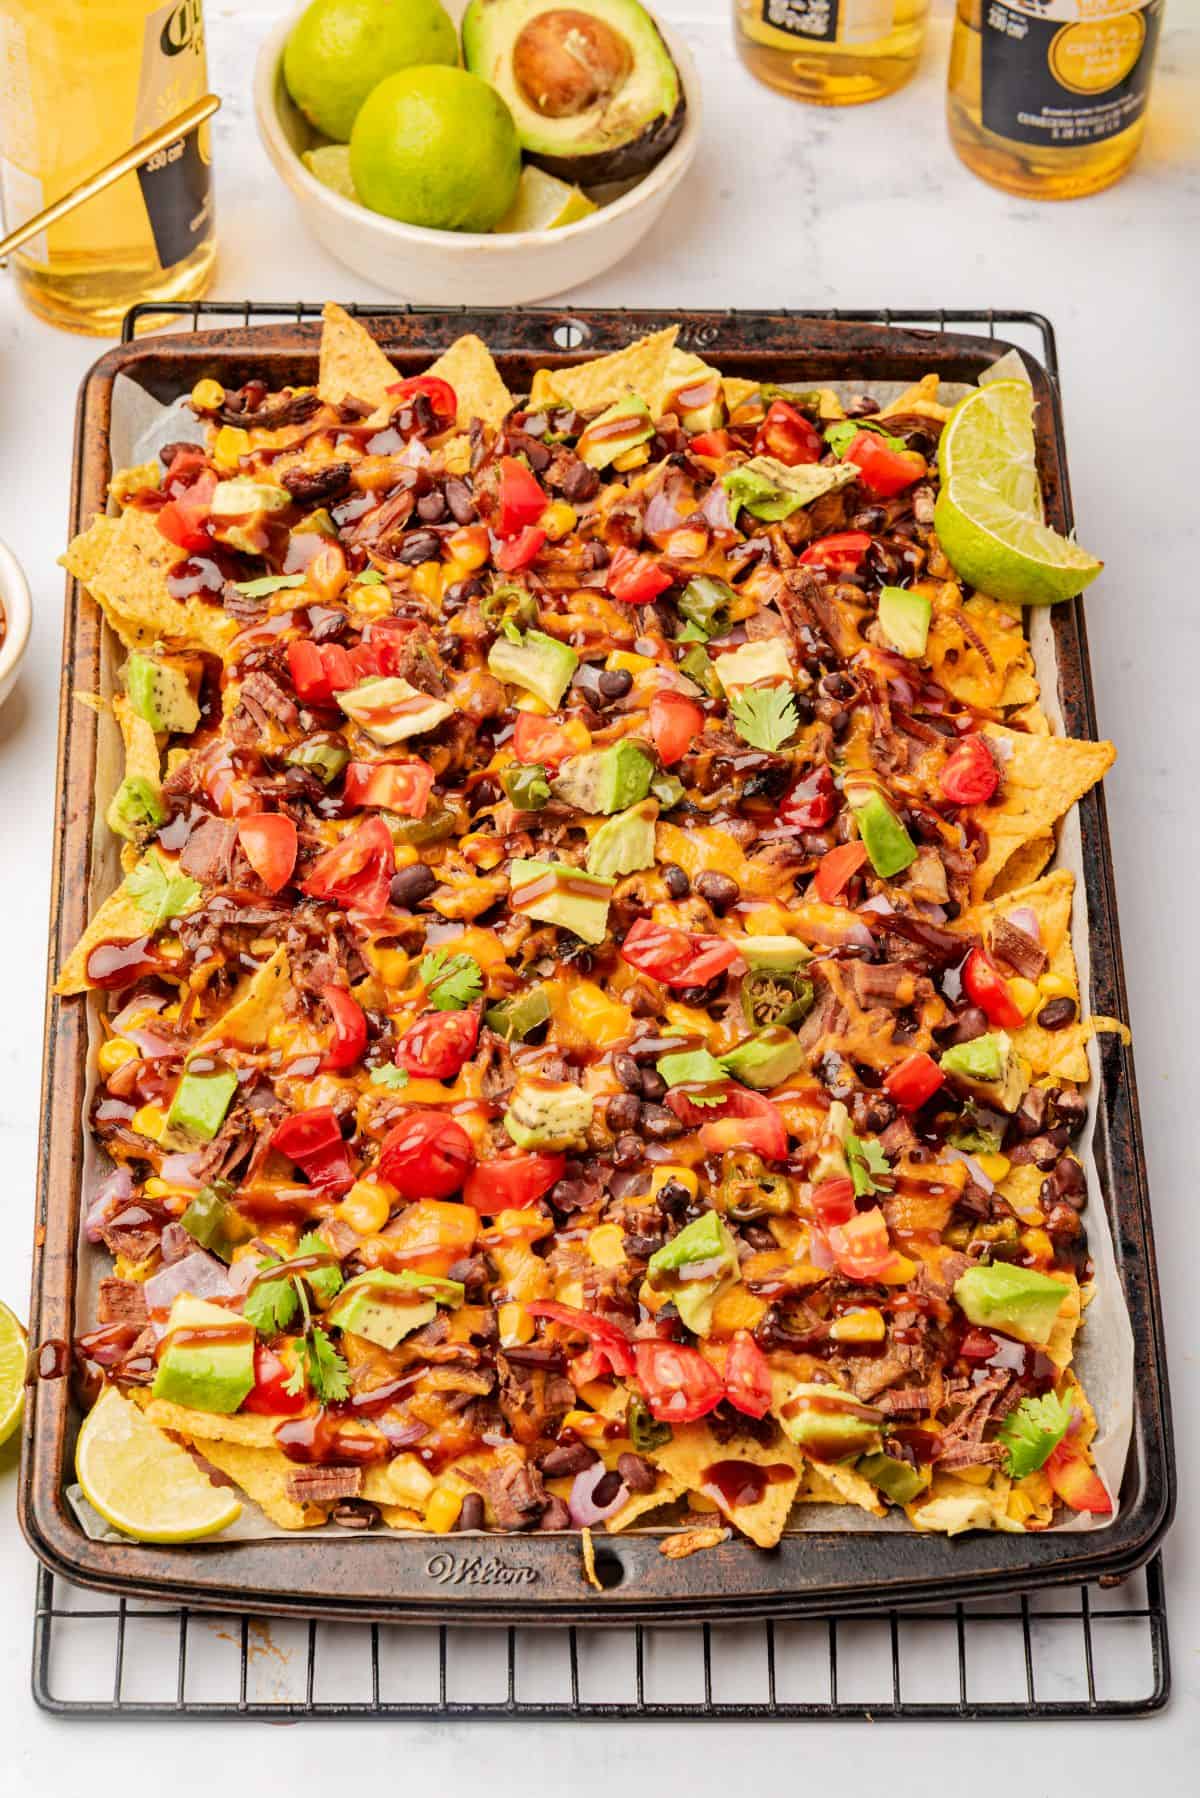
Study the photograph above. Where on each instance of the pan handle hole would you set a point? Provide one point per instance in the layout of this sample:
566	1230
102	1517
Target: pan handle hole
571	334
610	1570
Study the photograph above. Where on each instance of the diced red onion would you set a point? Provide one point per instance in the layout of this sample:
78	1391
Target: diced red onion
180	1170
973	1168
839	933
879	906
199	1274
113	1192
702	1270
819	1252
400	1435
414	455
1023	917
151	1043
662	516
580	1504
715	509
936	914
241	1274
175	1243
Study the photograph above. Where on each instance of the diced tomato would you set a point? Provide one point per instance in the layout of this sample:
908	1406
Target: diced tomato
513	1179
269	1396
183	468
788	436
861	1246
522	501
978	1345
313	1140
547	740
986	987
913	1081
438	1044
184	519
349	1028
636	579
678	1384
319	670
439	393
402	787
1077	1483
610	1344
810	802
970	775
747	1376
675	723
676	957
711	443
833	1202
426	1156
747	1121
357	872
521	550
269	841
841	553
884	471
835	868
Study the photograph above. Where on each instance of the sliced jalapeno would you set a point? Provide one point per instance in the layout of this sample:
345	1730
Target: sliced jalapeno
644	1431
527	785
771	997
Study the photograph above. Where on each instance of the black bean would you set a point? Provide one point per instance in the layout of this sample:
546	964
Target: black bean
628	1073
614	683
675	880
720	890
964	1027
1043	1151
627	1151
458	498
1070	1109
567	1458
861	406
419	546
411	885
472	1516
1056	1014
571	1195
673	1199
317	486
556	1516
1067	1181
355	1514
605	1490
1031	1113
659	1124
431	509
580	482
653	1084
871	518
1062	1223
637	1473
622	1113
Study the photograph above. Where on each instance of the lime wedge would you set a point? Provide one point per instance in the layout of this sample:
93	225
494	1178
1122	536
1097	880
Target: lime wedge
142	1483
543	202
14	1351
331	165
989	510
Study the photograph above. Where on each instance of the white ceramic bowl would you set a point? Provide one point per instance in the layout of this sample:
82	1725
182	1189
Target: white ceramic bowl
454	268
18	615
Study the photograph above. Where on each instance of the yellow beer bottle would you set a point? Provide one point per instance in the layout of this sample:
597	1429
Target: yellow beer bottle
1047	98
81	80
832	52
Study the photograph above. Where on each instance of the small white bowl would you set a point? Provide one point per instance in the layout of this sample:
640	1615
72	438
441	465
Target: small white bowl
454	268
18	615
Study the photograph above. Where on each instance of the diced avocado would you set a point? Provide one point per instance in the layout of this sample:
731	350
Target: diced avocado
622	427
548	1114
764	660
989	1068
771	490
831	1161
160	693
766	1059
593	90
625	844
215	1224
540	664
135	808
704	1244
775	954
200	1103
241	496
323	756
389	709
668	789
895	1479
385	1307
555	893
213	1373
606	780
704	1239
705	602
829	1424
889	845
904	618
1016	1300
515	1019
694	393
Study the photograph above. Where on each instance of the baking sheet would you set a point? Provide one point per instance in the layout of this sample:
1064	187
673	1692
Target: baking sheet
1104	1354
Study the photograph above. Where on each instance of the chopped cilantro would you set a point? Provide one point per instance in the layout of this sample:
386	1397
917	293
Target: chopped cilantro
840	436
271	1305
390	1076
1032	1431
370	577
452	982
866	1160
690	1064
765	717
325	1282
319	1366
158	891
269	583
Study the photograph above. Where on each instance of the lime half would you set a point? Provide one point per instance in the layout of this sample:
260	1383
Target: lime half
544	202
331	166
14	1354
989	510
142	1483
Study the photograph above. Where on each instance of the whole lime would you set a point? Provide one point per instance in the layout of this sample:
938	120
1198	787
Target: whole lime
436	147
339	50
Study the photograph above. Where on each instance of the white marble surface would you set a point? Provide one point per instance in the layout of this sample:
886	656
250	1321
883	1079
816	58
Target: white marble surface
791	206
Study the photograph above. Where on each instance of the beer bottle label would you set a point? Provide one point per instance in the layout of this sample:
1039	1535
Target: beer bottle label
175	183
830	21
1060	73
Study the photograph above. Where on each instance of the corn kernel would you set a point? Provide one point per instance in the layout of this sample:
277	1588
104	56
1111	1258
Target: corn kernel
529	702
557	519
229	446
516	1325
632	458
150	1121
207	395
1024	995
114	1054
663	1175
156	1188
427	580
899	1272
1055	986
327	573
585	1423
625	658
866	1325
468	547
1038	1246
365	1207
606	1245
994	1166
441	1513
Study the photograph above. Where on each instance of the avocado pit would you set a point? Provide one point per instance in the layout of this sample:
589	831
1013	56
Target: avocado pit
565	62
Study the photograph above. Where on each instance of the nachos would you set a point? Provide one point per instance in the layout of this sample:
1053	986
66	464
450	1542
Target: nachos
584	1038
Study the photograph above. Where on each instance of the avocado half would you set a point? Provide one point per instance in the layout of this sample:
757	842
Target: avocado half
592	87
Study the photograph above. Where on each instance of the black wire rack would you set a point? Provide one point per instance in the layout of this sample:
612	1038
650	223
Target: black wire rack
1091	1651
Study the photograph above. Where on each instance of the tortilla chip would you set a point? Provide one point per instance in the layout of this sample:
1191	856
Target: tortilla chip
118	920
977	648
665	1492
836	1483
1057	1052
1022	1186
921	399
691	1542
1024	865
456	455
245	1429
470	370
263	1474
954	1504
124	562
588	1551
738	390
1042	777
258	1005
352	365
589	387
397	1518
694	1449
402	1482
1062	1337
